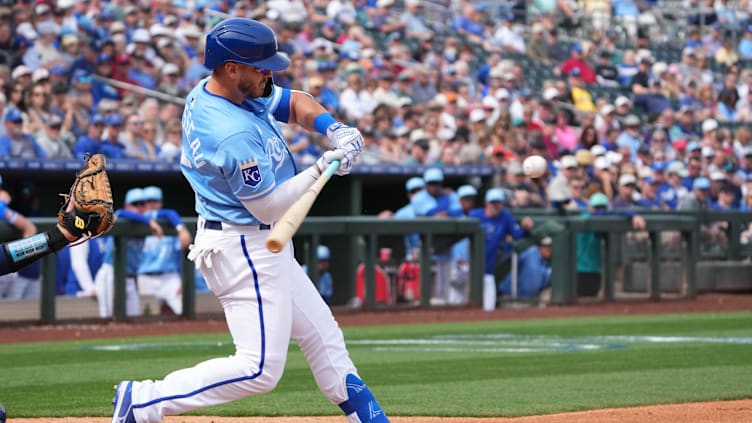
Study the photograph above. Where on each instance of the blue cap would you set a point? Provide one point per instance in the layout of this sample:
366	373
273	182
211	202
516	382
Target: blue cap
577	48
13	115
650	180
106	14
414	183
322	252
495	194
326	66
659	166
467	191
693	146
81	75
701	183
97	119
353	55
58	70
104	58
598	199
153	193
21	42
433	175
134	195
114	119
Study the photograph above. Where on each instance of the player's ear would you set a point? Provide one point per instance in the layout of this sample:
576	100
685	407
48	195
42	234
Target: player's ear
228	68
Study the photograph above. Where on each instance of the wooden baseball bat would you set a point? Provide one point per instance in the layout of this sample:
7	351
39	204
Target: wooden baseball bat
289	223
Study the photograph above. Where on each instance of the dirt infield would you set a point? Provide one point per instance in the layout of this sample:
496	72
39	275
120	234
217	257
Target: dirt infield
717	412
700	412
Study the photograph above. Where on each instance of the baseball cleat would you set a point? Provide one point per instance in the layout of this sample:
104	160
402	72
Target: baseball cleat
122	408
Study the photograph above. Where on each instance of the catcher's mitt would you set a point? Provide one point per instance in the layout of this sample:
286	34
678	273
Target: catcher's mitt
87	210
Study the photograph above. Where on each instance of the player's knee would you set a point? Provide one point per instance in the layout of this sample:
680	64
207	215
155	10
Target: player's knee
265	376
361	402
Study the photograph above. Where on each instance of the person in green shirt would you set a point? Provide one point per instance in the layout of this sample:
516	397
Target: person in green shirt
589	257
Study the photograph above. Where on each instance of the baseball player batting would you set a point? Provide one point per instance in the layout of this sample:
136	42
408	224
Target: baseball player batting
244	177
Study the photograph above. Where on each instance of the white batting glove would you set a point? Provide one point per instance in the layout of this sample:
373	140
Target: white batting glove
345	164
346	138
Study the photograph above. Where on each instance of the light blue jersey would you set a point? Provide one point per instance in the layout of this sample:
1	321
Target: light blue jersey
108	252
234	153
412	241
161	254
133	249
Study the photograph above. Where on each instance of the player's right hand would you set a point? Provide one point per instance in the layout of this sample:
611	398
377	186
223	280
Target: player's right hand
345	164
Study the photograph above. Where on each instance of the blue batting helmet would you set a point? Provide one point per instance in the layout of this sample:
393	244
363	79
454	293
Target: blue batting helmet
244	41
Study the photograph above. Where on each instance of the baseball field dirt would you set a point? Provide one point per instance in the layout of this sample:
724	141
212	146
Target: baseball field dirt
700	412
716	412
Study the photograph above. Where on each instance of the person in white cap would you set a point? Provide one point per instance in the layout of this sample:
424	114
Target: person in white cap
602	174
169	80
558	189
45	44
414	21
537	47
626	197
709	128
460	273
674	190
22	74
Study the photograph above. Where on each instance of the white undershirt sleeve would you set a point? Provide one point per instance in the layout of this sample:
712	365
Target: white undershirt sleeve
269	208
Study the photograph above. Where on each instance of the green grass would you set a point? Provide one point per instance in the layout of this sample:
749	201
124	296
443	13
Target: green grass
448	369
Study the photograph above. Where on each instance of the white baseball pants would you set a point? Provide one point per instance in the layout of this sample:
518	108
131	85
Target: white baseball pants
267	299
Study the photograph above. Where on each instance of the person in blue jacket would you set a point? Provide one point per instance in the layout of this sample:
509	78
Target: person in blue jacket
90	142
16	143
533	271
412	241
111	146
325	285
499	227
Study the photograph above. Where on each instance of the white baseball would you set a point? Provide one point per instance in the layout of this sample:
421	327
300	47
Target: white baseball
534	166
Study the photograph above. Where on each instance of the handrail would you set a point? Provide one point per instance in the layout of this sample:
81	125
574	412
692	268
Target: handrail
564	260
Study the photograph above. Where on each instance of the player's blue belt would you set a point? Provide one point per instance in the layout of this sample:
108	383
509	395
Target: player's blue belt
217	226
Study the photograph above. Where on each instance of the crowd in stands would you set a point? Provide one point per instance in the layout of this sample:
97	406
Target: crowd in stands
428	83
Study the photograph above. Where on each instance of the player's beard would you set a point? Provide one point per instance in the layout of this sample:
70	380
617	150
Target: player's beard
251	89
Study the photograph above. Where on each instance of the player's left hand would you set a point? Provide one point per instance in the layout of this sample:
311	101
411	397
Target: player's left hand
346	138
87	211
345	165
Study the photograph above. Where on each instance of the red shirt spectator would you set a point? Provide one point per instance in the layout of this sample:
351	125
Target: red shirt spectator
575	61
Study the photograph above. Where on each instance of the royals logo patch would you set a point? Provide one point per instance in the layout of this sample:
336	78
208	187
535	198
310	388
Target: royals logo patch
251	172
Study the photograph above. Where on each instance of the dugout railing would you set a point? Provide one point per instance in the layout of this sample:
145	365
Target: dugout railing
368	232
351	228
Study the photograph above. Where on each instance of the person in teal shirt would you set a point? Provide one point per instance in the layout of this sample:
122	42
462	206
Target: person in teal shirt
589	257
